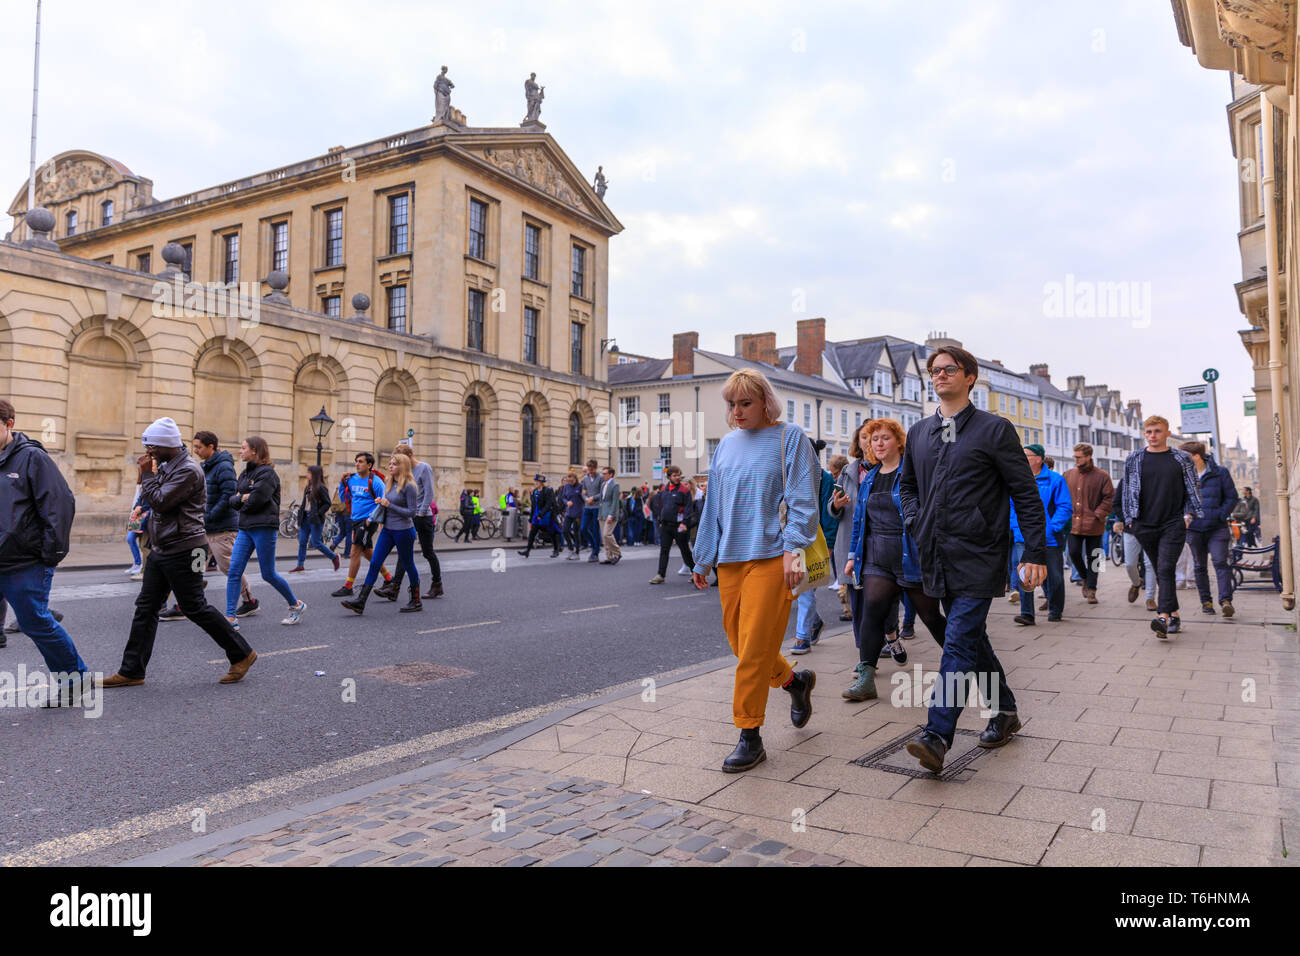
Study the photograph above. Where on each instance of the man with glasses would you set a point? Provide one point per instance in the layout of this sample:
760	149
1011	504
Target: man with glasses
962	469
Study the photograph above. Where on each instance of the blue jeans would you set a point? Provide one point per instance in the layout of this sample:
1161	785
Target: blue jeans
909	613
345	535
263	541
1053	587
28	591
590	531
312	530
1216	542
130	543
966	652
808	618
404	540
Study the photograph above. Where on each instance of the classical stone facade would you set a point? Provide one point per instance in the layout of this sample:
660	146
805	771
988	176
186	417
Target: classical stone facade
491	352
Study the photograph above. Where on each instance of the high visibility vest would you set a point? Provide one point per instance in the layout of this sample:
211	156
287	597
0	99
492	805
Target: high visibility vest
503	502
478	509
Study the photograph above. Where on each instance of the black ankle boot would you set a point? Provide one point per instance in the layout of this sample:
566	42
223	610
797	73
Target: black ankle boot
800	688
389	589
999	730
415	604
749	753
435	591
358	603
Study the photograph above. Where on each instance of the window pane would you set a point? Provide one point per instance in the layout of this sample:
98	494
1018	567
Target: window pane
530	335
473	428
232	259
579	270
478	229
474	338
107	208
397	225
334	237
397	308
280	247
532	251
331	305
575	348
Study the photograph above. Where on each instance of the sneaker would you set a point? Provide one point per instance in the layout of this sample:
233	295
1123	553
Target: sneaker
247	608
1013	597
1160	626
233	622
683	570
133	569
833	587
298	570
800	647
1175	625
173	613
138	576
906	634
12	627
657	579
1207	607
897	651
344	591
1227	608
816	634
295	612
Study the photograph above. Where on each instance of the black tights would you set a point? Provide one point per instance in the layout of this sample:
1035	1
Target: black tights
872	607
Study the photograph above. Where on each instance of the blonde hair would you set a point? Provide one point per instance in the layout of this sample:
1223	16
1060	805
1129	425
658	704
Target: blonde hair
1156	420
397	481
752	384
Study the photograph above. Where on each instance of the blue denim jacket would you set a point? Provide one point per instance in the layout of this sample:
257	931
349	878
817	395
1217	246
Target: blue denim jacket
911	564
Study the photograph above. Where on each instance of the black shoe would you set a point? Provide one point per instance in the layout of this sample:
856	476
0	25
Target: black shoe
1207	607
930	750
906	634
435	591
801	687
1024	620
1175	625
4	641
523	552
999	730
389	589
414	604
344	591
1160	626
173	613
555	554
1054	618
358	603
816	634
593	560
250	607
749	753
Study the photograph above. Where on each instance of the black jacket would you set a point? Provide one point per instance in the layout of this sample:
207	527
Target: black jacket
673	497
956	496
176	490
313	512
220	473
262	509
36	507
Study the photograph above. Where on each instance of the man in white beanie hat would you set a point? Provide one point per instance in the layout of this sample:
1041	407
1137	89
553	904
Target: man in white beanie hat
175	488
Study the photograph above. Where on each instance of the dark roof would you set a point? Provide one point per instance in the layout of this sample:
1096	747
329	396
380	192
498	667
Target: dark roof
783	376
1048	390
630	372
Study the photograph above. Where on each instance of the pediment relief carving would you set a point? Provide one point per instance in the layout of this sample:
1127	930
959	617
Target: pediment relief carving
531	165
71	178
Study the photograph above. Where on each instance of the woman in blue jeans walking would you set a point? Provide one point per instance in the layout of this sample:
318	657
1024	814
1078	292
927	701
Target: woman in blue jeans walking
257	499
315	505
399	504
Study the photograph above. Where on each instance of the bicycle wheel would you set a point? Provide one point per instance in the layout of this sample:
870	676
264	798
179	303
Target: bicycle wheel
453	527
488	527
331	527
1117	550
289	526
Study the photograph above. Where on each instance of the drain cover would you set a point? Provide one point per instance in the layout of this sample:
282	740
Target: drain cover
894	758
416	672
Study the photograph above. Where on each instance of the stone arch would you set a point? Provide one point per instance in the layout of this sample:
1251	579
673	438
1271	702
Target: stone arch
225	376
318	382
396	398
104	372
540	409
487	408
587	419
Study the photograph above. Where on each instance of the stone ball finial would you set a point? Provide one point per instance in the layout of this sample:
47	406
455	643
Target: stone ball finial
40	219
173	254
277	280
361	302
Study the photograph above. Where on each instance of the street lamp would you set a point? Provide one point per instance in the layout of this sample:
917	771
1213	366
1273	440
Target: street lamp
320	427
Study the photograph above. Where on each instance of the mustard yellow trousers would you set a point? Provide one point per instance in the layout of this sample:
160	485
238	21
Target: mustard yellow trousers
755	612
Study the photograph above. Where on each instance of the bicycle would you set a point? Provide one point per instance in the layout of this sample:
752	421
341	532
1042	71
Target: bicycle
455	526
1117	550
289	525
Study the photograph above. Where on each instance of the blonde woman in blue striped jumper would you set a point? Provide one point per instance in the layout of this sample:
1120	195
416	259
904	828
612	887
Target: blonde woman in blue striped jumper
761	460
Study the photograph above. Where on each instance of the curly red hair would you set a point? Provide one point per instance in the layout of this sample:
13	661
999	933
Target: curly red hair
872	426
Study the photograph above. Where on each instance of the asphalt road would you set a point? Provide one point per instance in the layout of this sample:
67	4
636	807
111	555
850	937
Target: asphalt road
91	790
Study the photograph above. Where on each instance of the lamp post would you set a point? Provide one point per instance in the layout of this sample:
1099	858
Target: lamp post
320	427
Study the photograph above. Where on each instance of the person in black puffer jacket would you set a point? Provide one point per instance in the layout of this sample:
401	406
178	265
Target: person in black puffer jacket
313	508
1209	533
257	499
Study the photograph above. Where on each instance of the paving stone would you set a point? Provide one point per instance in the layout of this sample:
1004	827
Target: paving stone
744	859
396	815
696	843
286	840
651	845
437	861
656	821
406	859
523	861
329	838
371	824
526	841
582	833
356	859
282	856
561	826
626	858
603	846
406	839
540	820
713	855
578	858
768	848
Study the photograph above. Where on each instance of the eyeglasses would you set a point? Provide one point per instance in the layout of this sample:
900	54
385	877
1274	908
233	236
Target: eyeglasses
947	371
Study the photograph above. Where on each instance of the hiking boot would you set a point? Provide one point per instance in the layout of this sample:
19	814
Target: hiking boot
1024	620
749	753
1133	593
801	687
999	730
358	603
1207	607
414	604
1227	608
930	750
864	685
238	670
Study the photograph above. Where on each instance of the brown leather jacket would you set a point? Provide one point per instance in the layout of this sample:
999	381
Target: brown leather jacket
1091	495
176	491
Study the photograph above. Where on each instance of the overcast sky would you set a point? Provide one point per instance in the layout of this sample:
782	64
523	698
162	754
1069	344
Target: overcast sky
896	166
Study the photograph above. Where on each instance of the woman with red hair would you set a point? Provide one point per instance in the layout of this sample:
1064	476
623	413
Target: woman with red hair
882	561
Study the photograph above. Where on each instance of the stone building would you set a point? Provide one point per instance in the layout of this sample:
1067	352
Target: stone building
484	251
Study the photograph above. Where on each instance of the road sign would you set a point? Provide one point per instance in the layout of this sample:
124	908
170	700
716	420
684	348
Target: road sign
1210	375
1250	406
658	473
1200	411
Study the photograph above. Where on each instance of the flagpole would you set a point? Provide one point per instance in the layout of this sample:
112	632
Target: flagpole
36	81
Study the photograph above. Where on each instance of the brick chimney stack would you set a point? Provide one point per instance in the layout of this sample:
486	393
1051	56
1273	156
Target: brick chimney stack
758	347
1040	370
1075	384
1135	406
684	344
811	343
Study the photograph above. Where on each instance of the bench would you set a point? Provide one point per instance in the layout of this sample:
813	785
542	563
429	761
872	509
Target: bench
1256	562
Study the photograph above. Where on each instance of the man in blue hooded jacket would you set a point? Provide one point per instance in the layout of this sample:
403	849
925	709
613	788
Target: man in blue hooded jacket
1210	532
1058	507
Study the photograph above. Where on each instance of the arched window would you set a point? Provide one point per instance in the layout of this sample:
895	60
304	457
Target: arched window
530	433
70	222
106	212
575	438
473	428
